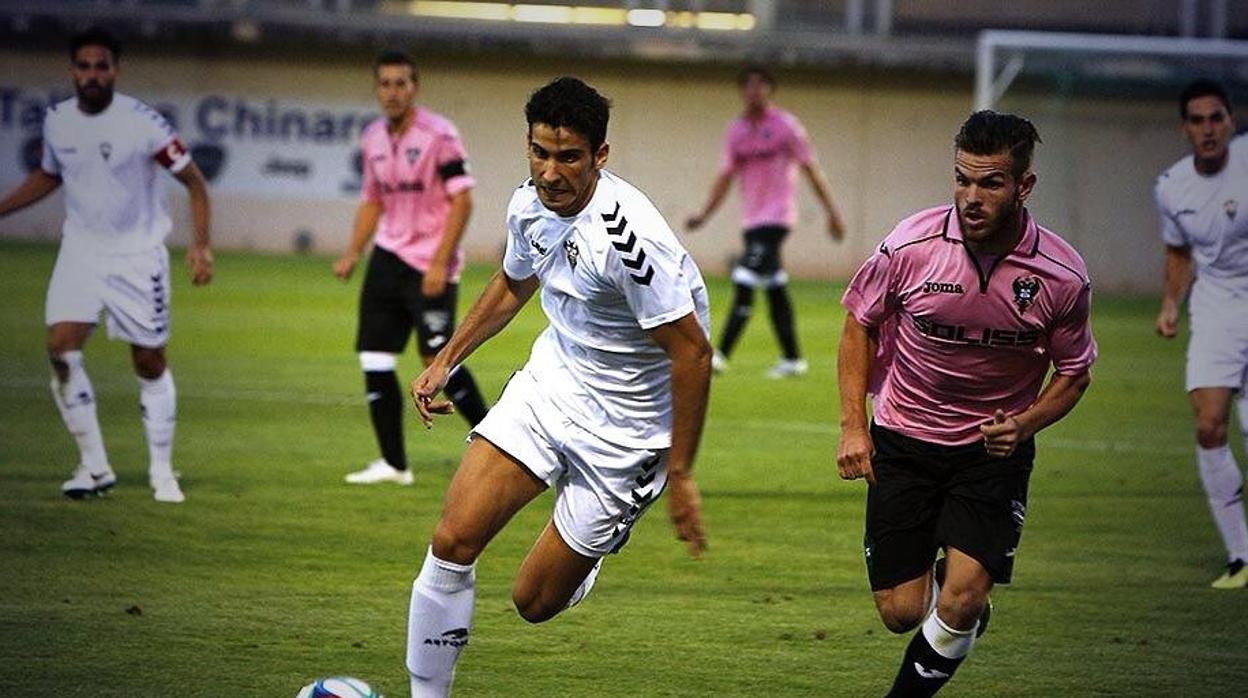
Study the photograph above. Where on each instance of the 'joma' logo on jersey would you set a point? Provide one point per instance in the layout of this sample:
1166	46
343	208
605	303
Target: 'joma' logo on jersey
457	637
942	287
985	337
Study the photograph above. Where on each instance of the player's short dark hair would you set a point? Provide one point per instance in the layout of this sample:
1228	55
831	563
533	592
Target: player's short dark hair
568	102
1202	88
754	69
988	133
395	57
95	36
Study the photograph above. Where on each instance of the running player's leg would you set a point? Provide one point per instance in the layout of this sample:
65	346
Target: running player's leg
435	322
1223	482
384	327
487	490
158	400
549	577
71	312
779	305
745	279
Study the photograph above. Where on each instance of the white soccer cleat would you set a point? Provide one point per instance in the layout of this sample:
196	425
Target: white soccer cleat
166	489
1235	577
84	484
788	368
719	362
380	471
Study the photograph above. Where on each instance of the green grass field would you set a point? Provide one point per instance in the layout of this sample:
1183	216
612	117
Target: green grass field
275	572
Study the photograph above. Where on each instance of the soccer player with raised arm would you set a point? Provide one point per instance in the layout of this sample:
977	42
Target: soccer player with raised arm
1202	201
609	408
952	325
764	148
107	149
417	195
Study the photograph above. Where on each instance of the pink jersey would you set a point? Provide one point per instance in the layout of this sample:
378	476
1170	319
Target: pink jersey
960	336
413	176
765	154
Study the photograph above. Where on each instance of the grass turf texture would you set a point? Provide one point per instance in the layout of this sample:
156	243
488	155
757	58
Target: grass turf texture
275	571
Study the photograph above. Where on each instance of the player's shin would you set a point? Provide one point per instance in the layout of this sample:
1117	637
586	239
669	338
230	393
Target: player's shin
1224	489
385	405
438	621
462	389
75	399
931	659
782	321
158	401
742	308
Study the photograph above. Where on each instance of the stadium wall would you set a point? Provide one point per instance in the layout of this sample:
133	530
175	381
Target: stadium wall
885	141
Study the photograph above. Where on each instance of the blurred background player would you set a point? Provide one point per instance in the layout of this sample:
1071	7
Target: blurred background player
765	146
107	149
417	197
1202	201
610	406
952	325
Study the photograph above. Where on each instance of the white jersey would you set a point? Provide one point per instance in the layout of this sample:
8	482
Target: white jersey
1209	214
109	163
608	274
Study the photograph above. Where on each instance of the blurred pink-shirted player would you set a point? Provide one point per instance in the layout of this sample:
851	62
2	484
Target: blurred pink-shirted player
953	324
765	147
416	195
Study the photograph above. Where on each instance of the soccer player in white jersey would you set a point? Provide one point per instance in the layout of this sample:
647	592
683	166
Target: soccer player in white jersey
1202	201
108	149
609	408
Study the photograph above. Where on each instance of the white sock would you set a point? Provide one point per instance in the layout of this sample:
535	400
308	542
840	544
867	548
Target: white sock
1224	488
947	642
437	624
159	400
75	399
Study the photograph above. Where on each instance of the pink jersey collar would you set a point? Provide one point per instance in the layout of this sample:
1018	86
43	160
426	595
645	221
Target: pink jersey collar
1027	245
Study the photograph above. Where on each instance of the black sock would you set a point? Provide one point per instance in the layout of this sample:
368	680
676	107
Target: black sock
782	320
923	671
385	406
462	390
742	306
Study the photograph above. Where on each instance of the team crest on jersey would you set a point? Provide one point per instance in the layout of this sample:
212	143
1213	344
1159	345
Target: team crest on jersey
412	154
570	249
106	150
1231	207
1026	288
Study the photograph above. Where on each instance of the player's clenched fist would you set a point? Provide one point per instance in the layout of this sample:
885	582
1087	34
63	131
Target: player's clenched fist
684	505
853	455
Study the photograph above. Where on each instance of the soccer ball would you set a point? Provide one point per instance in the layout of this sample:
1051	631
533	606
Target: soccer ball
338	687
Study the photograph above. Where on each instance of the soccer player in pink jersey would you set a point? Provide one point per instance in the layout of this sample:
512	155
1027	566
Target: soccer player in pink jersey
952	326
417	197
765	147
1198	203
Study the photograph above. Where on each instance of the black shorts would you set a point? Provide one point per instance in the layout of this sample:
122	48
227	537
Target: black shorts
762	249
391	305
928	496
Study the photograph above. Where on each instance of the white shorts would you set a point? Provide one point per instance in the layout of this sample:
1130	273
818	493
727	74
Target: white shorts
601	489
133	289
1217	350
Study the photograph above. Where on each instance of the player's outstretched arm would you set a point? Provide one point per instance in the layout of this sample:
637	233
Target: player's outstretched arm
853	370
1060	395
818	182
199	254
37	185
502	298
1178	275
718	191
690	353
366	217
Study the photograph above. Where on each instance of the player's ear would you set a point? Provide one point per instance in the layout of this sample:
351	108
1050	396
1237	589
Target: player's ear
600	157
1025	184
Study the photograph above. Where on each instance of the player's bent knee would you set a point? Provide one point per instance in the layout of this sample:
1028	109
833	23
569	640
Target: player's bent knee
1210	433
960	608
531	605
899	615
451	544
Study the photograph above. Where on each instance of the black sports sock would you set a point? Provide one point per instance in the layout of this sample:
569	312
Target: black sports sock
463	392
782	321
923	671
742	306
385	406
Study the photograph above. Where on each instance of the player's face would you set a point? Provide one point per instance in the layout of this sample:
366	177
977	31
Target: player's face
755	92
94	71
396	90
563	167
1208	127
987	194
